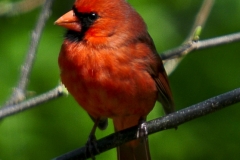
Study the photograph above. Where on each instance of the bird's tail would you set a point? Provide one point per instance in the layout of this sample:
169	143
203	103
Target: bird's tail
134	150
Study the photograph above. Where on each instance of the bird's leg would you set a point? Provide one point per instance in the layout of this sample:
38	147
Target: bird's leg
91	143
142	129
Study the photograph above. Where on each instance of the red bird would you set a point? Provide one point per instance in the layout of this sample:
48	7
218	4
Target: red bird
110	65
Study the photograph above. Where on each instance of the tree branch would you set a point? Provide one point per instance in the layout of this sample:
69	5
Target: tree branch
198	24
19	92
50	95
181	50
166	122
201	17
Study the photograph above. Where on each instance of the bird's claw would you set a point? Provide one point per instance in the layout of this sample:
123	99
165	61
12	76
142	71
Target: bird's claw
142	130
91	145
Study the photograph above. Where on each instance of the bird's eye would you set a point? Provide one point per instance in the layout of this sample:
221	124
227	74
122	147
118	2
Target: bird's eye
92	16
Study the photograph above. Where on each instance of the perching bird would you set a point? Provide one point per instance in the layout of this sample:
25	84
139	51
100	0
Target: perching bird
109	64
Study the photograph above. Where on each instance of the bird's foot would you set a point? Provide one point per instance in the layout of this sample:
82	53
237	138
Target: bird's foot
91	146
142	129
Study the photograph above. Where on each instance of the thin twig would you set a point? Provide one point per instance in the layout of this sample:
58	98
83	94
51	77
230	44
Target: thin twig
201	17
19	93
200	20
179	51
50	95
166	122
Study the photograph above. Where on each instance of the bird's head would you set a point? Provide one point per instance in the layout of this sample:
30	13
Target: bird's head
101	19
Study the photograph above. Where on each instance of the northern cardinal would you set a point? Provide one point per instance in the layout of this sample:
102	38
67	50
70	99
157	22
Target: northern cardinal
109	63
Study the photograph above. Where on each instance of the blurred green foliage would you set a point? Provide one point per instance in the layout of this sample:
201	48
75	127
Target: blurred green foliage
59	126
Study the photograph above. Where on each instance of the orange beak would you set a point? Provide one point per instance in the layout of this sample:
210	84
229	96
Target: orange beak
69	21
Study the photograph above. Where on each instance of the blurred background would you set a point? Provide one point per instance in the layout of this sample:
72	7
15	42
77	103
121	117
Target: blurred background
60	126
